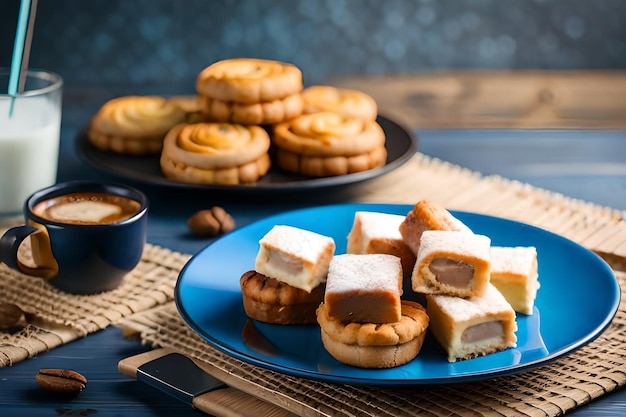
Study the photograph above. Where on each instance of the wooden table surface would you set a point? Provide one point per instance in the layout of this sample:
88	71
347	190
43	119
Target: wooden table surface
479	99
524	115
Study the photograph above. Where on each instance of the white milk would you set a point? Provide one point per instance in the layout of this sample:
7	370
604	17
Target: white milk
29	148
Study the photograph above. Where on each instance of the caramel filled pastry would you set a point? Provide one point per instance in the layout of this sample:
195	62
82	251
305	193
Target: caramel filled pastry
472	327
327	144
295	256
374	232
427	215
514	274
272	301
249	81
134	124
215	153
364	288
345	101
452	263
371	345
268	112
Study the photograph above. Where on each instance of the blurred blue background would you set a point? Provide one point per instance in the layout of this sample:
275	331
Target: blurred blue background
108	48
167	42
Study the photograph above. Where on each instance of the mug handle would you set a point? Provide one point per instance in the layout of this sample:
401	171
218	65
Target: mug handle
46	266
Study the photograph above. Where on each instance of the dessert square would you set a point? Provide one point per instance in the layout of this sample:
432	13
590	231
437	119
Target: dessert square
452	263
295	256
374	232
514	274
427	215
470	327
364	288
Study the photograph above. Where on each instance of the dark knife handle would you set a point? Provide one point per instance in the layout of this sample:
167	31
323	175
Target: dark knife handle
221	401
178	376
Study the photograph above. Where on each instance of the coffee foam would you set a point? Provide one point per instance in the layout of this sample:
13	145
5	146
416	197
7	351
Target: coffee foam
84	211
87	208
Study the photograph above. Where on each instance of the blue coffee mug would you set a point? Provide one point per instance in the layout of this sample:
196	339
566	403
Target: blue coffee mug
85	236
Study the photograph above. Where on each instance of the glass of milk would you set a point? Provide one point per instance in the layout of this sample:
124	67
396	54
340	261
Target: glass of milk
29	138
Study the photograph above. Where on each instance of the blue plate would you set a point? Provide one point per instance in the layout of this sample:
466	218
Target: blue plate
578	298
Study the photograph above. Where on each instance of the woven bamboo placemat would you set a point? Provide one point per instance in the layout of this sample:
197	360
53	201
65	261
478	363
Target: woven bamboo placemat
550	390
55	318
143	304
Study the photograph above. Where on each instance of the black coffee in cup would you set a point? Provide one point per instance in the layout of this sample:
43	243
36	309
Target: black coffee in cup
87	208
85	236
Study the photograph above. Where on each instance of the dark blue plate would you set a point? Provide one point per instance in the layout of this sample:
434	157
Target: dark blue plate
578	298
400	143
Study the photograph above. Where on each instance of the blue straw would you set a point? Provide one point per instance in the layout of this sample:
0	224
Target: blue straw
18	51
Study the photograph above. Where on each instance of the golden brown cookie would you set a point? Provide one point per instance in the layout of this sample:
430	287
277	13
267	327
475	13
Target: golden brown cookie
268	112
249	81
192	105
215	153
326	144
320	166
272	301
134	124
370	345
344	101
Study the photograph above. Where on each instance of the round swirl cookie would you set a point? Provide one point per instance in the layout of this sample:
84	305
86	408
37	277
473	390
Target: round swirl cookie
272	301
345	101
267	112
248	80
327	144
250	91
134	124
215	153
375	345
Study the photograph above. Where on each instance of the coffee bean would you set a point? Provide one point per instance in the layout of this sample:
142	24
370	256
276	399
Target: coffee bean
62	381
10	314
211	222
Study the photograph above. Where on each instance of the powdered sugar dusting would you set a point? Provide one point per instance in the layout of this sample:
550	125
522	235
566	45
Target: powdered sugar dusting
461	243
375	272
298	243
375	224
518	259
462	309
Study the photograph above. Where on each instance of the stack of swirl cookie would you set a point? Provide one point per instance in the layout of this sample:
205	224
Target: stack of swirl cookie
337	134
236	97
250	91
243	107
318	131
328	144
